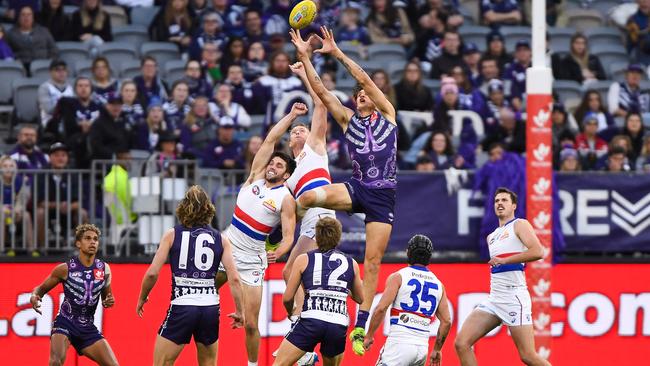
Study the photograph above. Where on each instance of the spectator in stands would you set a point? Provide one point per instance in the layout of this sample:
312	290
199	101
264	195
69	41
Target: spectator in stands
225	152
61	185
470	97
593	103
241	90
117	186
382	80
622	142
234	54
635	130
173	23
54	19
489	71
643	161
561	129
255	65
627	96
31	41
162	160
72	119
350	28
110	132
388	24
211	33
103	82
211	69
472	58
132	109
441	152
496	13
410	92
496	48
6	54
90	24
638	27
199	128
424	164
590	147
450	57
54	89
177	106
511	132
579	65
569	160
222	8
495	152
149	132
495	104
449	101
224	106
199	7
616	160
252	148
197	85
516	74
236	22
15	196
26	154
447	10
428	43
148	83
269	89
253	31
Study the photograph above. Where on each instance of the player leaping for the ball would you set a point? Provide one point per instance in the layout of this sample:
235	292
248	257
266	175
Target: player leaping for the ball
371	137
511	245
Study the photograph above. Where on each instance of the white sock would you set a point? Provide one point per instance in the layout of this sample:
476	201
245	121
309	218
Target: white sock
252	363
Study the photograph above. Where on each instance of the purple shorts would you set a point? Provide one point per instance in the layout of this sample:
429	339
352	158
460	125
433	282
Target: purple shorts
80	335
184	321
307	333
377	204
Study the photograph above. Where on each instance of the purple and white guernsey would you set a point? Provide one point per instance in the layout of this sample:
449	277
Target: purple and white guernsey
194	259
372	142
327	281
82	289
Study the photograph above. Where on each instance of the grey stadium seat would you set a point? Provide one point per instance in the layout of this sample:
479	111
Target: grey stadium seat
118	52
610	53
117	14
351	50
386	52
475	34
129	69
25	92
567	89
257	124
134	34
70	52
9	70
395	70
603	35
143	16
40	69
84	68
161	51
346	85
617	70
583	19
174	70
601	86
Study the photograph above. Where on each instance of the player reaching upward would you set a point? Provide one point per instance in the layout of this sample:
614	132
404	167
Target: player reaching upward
85	279
328	276
511	245
195	250
263	203
371	137
415	295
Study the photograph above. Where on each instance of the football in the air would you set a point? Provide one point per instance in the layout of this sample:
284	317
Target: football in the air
302	14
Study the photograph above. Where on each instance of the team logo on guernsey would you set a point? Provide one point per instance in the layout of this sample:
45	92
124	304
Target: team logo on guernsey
256	190
99	274
504	236
300	157
270	204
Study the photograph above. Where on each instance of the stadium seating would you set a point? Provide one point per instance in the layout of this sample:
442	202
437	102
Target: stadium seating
174	70
9	70
143	16
133	33
129	69
25	92
118	52
161	51
40	69
386	52
71	52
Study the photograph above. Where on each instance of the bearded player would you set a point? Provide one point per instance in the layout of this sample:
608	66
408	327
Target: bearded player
511	245
371	137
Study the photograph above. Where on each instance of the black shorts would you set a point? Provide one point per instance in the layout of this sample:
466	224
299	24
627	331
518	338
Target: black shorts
80	335
307	333
377	204
184	321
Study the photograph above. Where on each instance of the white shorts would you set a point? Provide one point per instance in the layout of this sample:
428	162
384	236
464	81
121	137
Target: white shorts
402	354
513	309
251	267
308	222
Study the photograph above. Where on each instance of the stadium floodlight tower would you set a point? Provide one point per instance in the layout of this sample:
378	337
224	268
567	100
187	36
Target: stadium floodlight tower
539	160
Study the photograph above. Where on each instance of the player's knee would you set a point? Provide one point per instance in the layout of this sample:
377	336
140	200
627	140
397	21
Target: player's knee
57	361
528	358
250	326
461	344
307	199
286	271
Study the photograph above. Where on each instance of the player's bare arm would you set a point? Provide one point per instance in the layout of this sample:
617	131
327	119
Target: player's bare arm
58	275
374	93
262	157
357	286
151	276
294	282
393	284
234	283
107	292
444	317
341	113
288	219
524	230
316	139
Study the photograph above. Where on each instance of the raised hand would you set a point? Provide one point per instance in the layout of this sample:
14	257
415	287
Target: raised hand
299	109
329	44
35	300
299	69
302	47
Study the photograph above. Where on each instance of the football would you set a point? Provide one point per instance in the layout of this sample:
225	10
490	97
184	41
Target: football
302	14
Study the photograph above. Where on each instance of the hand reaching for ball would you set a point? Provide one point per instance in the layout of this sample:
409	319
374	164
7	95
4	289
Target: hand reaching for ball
299	69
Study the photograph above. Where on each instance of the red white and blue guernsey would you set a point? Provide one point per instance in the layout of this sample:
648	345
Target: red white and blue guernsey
257	213
414	306
312	171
